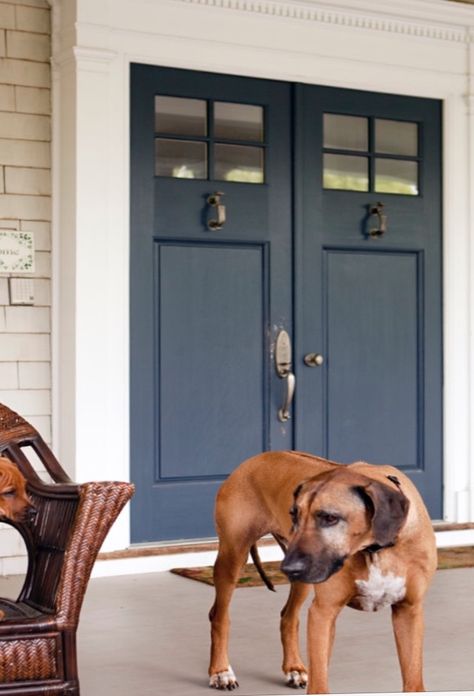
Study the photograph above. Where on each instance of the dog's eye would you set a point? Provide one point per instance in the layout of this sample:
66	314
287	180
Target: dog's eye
327	519
9	493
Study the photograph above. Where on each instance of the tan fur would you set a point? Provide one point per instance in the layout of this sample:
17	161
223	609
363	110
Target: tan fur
255	501
15	504
14	500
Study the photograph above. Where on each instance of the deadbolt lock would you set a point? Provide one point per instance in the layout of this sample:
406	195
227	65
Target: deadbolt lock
313	359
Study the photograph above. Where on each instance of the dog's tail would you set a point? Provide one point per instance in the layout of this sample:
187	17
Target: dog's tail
258	564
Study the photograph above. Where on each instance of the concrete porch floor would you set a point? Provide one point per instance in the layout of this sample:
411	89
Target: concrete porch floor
148	635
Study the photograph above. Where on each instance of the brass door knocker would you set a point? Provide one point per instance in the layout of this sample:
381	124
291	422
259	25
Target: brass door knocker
214	200
381	228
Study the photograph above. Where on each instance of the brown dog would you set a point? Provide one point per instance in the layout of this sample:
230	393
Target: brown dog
15	504
360	533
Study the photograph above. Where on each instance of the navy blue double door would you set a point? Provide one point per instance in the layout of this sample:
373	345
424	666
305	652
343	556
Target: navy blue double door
260	207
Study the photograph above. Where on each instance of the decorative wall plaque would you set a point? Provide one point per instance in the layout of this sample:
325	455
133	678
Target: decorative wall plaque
17	252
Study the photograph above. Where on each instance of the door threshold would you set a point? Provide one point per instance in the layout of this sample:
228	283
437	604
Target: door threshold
162	556
156	558
442	526
163	548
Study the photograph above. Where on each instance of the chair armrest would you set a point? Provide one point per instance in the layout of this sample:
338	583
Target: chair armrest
46	538
99	506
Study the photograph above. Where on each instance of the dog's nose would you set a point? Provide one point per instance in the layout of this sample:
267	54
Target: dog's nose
293	567
31	514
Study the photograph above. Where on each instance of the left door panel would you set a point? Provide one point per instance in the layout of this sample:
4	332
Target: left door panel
206	301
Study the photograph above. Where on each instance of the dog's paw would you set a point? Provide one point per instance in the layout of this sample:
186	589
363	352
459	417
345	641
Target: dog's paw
297	679
224	681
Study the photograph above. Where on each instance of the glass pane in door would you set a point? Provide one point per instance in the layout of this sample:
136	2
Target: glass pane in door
396	176
345	132
345	172
239	163
238	121
180	116
180	159
396	137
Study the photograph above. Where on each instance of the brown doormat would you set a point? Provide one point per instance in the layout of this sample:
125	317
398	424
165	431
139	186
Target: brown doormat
454	557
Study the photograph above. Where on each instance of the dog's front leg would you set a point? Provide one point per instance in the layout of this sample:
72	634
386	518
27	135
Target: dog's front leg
321	631
408	626
295	672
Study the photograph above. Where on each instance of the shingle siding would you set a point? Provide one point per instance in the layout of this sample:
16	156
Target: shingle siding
25	205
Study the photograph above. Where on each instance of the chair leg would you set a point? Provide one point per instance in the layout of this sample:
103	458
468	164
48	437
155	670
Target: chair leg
70	656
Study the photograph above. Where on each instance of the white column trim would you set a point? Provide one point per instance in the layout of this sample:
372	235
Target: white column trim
456	338
469	496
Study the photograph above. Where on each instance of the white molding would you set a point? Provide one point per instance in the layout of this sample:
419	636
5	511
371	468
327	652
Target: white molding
456	307
356	15
55	238
263	38
468	498
94	57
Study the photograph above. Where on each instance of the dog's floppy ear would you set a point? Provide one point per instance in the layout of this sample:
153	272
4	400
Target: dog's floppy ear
388	508
297	490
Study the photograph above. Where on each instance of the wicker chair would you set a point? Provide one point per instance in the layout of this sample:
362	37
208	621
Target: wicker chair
38	633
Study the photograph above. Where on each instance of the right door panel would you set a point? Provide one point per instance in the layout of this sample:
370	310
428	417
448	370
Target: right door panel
368	281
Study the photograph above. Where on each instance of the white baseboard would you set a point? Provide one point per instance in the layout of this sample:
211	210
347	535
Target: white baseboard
159	563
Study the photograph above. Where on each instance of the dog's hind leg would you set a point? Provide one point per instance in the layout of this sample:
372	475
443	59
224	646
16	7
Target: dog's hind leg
227	569
295	672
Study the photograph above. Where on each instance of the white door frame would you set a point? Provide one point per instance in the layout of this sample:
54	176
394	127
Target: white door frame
421	48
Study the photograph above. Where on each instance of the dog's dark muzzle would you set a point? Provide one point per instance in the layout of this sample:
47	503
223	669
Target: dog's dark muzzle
294	568
30	514
302	567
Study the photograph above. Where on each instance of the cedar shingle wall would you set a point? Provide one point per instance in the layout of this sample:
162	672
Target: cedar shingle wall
25	205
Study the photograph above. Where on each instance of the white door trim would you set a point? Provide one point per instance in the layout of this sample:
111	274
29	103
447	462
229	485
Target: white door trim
420	48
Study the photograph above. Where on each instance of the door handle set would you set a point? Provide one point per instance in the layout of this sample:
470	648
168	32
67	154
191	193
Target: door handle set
283	367
284	370
284	411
